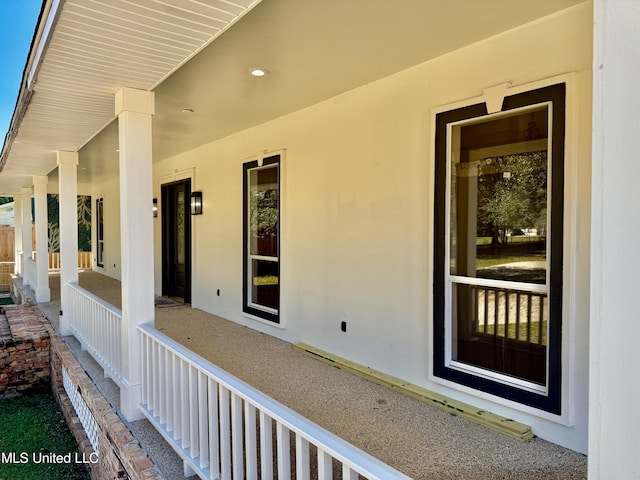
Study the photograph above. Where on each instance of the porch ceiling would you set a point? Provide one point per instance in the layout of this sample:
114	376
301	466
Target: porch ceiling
314	50
83	52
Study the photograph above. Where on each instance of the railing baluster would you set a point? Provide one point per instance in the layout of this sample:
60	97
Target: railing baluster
529	296
168	391
303	470
177	395
175	390
184	403
496	311
237	439
541	339
214	428
517	315
348	473
325	465
284	452
154	376
266	446
193	412
225	434
486	310
162	404
144	348
506	314
250	441
203	420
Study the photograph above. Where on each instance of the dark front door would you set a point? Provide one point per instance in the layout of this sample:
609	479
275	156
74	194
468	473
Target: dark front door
176	240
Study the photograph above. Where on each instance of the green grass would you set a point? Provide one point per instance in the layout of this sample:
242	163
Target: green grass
493	260
510	240
34	424
265	280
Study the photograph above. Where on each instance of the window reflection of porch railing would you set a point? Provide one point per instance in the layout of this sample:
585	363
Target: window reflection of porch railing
511	314
223	428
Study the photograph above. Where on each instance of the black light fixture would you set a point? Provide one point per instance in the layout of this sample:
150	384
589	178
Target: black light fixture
196	203
155	207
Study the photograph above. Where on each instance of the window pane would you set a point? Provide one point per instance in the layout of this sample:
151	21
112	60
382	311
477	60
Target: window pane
499	198
100	232
501	330
263	211
180	226
265	288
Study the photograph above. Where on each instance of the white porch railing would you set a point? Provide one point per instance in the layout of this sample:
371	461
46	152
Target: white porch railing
224	428
97	325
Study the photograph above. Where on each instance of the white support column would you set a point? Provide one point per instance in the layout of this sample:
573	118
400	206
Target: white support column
614	390
41	288
68	211
17	223
27	237
134	109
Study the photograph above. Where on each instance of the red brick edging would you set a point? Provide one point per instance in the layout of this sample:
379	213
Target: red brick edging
119	455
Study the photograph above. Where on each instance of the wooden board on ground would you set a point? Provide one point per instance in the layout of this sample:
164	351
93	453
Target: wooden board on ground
514	429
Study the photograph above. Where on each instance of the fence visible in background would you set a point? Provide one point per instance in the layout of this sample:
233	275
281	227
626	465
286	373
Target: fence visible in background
84	260
6	270
7	242
224	428
7	249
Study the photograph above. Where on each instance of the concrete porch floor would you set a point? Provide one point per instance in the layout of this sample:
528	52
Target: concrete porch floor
417	439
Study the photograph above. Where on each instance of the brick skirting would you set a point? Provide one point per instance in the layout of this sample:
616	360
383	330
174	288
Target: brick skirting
24	351
37	355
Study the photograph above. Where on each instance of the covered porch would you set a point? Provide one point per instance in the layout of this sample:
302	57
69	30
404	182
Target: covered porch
415	438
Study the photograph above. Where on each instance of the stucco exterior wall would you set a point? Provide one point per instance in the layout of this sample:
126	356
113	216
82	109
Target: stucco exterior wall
357	212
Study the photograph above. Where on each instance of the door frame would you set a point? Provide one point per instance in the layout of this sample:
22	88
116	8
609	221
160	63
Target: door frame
167	250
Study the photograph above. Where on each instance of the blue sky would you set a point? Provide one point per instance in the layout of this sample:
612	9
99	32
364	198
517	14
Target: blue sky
17	23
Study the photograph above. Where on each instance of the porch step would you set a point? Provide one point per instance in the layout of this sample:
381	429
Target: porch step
509	427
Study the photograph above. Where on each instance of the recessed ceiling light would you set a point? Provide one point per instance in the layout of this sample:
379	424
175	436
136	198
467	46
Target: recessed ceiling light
258	71
187	110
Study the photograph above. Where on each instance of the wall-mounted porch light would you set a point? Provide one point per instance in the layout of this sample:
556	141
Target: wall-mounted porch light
155	207
196	203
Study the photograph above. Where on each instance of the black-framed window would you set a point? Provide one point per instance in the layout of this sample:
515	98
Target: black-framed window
498	247
261	238
100	232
